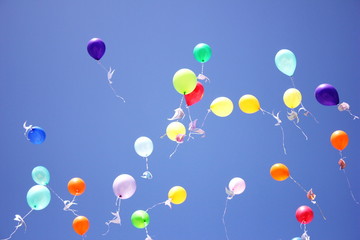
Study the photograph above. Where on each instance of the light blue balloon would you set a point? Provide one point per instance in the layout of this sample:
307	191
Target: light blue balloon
296	238
38	197
41	175
285	61
143	146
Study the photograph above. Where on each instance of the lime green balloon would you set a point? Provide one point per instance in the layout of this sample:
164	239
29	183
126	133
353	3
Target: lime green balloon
140	219
38	197
285	61
41	175
184	81
202	52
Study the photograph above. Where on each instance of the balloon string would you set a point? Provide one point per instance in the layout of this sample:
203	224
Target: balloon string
307	112
28	213
341	156
292	81
300	186
147	234
55	193
155	205
208	111
349	185
306	137
223	218
188	109
20	223
321	212
109	76
174	150
202	68
181	101
147	163
277	118
354	116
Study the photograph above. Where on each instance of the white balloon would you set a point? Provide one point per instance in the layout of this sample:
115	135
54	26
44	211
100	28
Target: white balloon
143	146
237	185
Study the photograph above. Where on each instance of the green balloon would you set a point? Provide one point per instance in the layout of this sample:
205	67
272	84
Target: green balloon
184	81
41	175
202	52
140	219
285	61
38	197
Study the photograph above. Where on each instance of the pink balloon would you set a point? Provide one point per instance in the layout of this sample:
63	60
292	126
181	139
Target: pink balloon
304	214
124	186
237	185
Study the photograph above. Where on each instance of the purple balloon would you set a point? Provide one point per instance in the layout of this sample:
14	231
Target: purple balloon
96	48
327	95
124	186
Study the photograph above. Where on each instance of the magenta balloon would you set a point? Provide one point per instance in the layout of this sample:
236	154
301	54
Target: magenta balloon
124	186
96	48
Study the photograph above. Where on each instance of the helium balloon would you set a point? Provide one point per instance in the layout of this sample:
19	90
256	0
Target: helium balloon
296	238
174	129
339	140
96	48
76	186
304	214
140	219
81	225
124	186
177	195
327	95
196	95
143	146
222	106
279	172
292	98
237	185
184	81
41	175
36	135
202	52
285	61
38	197
249	104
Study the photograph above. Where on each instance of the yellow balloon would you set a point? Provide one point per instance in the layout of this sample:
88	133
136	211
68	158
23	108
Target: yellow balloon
222	106
292	98
175	128
249	104
177	195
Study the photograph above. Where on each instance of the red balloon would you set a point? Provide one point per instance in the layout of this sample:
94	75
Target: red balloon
304	214
195	95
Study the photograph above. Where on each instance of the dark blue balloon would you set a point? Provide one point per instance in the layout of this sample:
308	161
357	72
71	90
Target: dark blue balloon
327	95
96	48
36	135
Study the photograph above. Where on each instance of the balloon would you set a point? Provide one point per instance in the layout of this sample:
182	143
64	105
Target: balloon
327	95
249	104
76	186
124	186
41	175
184	81
279	172
222	106
96	48
202	52
292	98
285	61
140	219
81	225
296	238
304	214
143	146
237	185
174	129
196	95
339	139
36	135
177	195
38	197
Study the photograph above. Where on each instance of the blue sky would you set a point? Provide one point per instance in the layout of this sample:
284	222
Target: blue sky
48	79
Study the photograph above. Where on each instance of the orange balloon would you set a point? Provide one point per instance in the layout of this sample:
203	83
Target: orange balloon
76	186
339	139
279	172
81	225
